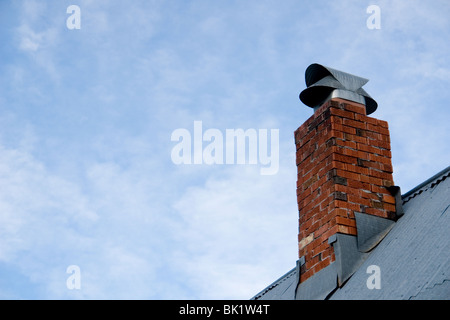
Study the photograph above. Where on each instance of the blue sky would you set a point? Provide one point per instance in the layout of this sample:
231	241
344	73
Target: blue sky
86	117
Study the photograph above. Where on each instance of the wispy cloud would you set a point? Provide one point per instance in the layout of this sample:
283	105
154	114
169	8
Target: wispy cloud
229	235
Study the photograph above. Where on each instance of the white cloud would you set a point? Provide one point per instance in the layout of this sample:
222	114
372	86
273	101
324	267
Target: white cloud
239	232
48	223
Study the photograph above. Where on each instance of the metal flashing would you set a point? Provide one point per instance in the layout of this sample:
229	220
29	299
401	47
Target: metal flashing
319	286
332	239
397	194
301	261
348	257
371	230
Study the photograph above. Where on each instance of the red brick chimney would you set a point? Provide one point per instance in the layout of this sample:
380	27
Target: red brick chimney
344	167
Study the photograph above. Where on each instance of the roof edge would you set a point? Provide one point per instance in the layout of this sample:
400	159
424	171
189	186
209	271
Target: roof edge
433	180
274	284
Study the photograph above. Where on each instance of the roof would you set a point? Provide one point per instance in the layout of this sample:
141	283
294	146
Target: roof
281	289
413	258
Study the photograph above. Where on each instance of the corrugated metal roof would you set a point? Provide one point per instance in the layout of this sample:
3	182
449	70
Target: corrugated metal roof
430	183
414	257
282	289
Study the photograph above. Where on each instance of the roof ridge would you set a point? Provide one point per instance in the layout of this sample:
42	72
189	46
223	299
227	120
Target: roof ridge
429	183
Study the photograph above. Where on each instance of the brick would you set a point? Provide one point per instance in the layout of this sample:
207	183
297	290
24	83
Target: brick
371	164
343	128
338	195
346	143
354	124
380	130
346	189
322	265
377	212
311	262
359	200
333	230
342	113
321	230
347	230
373	127
380	174
348	174
366	119
328	217
379	189
389	207
357	169
307	274
375	181
385	160
354	153
346	221
361	109
344	158
305	241
371	135
310	181
385	138
347	205
383	123
358	184
388	183
364	178
354	137
367	148
387	168
341	212
388	199
340	181
376	204
336	134
380	144
322	248
369	195
323	107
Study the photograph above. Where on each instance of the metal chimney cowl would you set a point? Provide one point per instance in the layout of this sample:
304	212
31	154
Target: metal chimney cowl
324	83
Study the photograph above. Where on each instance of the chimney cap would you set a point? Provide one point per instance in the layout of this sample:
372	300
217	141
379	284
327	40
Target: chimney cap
324	83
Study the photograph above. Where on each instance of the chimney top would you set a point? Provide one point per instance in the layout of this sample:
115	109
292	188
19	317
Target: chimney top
324	83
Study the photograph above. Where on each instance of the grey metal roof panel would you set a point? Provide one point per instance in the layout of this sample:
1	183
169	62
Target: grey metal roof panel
439	291
281	289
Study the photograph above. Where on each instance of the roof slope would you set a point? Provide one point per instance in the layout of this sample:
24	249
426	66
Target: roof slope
281	289
414	257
